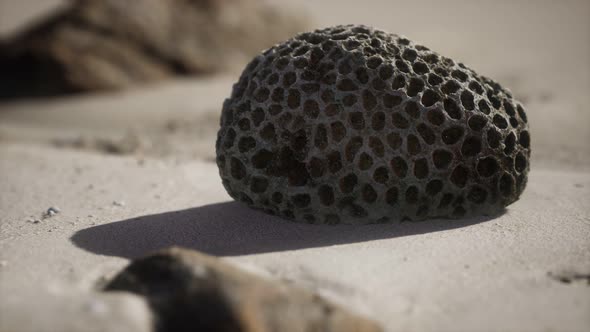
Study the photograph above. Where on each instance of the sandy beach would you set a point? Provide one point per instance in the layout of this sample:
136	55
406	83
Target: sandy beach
132	172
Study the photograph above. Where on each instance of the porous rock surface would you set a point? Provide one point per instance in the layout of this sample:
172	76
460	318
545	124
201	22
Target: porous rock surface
350	124
189	291
94	45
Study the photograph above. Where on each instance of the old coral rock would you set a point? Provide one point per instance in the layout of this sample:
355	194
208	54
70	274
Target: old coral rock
355	125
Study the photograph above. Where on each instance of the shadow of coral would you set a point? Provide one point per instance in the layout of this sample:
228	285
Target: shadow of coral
230	229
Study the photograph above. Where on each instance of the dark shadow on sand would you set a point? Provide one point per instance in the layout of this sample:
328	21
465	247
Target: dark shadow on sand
230	229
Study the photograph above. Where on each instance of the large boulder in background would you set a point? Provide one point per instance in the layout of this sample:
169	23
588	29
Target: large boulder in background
114	44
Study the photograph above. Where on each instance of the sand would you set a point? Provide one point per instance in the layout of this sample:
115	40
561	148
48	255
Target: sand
132	172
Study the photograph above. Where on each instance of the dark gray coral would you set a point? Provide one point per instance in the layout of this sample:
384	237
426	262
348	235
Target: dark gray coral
351	124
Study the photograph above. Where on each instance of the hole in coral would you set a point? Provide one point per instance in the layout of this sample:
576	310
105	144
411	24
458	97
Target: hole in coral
301	200
435	117
477	122
237	169
277	197
500	122
521	113
391	196
376	146
258	184
327	96
477	195
369	194
338	131
413	145
321	137
525	139
412	195
450	86
459	212
275	110
445	201
513	122
509	108
268	132
352	147
385	72
494	138
326	194
362	75
426	133
374	62
520	163
476	87
311	109
229	138
421	168
506	185
459	176
434	79
316	167
365	161
467	100
434	187
332	109
391	101
310	88
442	158
452	109
452	135
347	85
487	167
412	109
262	159
244	124
420	68
257	117
394	140
415	87
246	144
509	143
471	146
349	100
344	68
293	99
399	82
347	183
245	198
381	175
429	98
378	121
399	120
357	120
460	75
369	100
399	166
331	219
409	54
289	78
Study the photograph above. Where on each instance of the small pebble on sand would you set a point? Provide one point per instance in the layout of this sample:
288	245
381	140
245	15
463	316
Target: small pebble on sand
52	211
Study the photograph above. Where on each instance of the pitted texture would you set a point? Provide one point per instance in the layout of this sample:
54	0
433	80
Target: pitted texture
355	125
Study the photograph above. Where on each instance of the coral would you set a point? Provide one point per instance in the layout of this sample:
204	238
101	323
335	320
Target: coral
351	124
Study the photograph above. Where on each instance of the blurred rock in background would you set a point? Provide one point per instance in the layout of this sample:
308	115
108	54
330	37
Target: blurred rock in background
93	45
